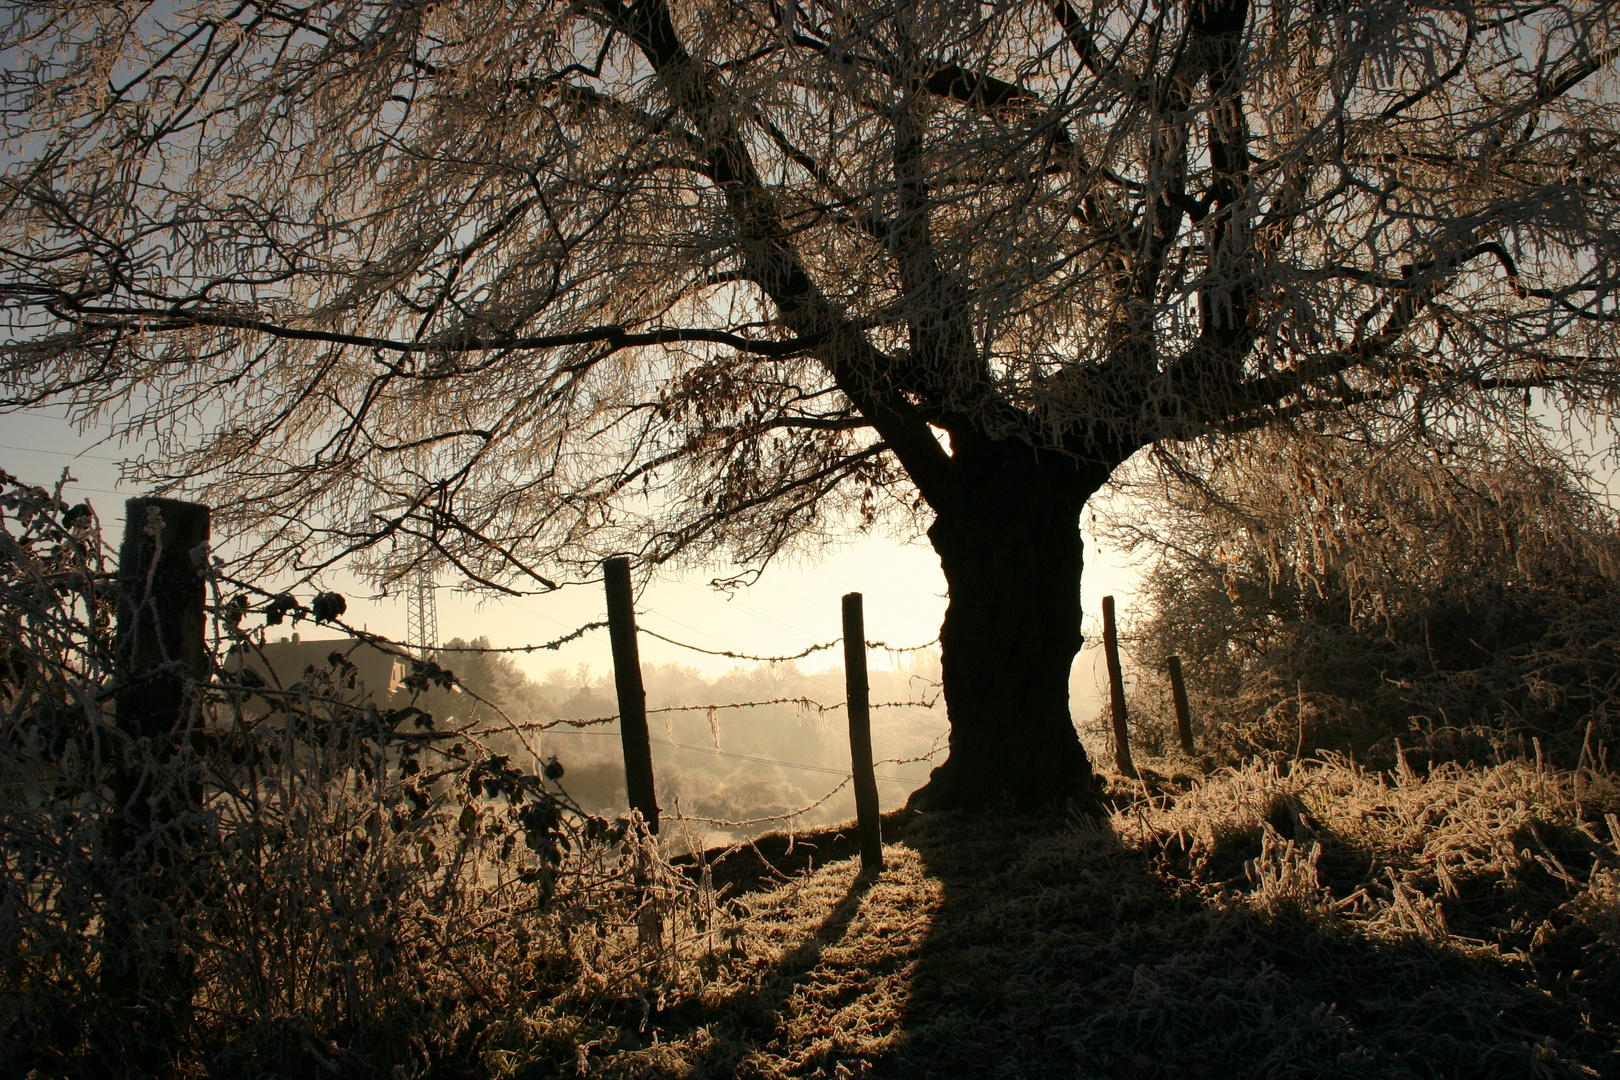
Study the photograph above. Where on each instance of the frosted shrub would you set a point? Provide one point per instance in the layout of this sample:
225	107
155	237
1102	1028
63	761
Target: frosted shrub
1456	597
344	886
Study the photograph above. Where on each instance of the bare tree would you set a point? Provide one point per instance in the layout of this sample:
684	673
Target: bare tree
554	280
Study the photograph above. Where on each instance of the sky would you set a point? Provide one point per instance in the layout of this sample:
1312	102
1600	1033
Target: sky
792	605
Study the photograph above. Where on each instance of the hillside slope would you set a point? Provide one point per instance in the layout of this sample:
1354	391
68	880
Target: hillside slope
1320	922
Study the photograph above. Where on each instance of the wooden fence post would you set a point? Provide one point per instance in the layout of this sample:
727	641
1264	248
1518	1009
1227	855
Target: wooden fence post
162	663
1116	690
1178	689
638	770
162	618
856	694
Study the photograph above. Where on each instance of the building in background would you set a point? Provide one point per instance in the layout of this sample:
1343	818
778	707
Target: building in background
281	664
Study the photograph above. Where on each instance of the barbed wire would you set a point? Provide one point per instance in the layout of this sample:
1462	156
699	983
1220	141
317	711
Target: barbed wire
809	703
396	648
902	648
572	635
382	644
821	647
741	656
718	752
325	609
591	721
576	722
758	760
788	815
298	611
929	756
283	603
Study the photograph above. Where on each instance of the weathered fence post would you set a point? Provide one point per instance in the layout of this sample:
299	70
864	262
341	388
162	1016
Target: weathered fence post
1178	689
638	770
162	664
867	812
1116	690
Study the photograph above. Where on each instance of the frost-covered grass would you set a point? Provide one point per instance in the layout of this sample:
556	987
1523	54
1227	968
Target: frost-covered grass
332	890
1315	921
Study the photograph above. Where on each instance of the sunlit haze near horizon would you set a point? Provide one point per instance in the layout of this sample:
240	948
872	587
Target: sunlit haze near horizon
794	604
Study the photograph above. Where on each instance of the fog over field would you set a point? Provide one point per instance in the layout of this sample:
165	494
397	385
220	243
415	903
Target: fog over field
728	763
736	762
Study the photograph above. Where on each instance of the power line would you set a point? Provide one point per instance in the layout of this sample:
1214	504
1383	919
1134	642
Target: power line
60	453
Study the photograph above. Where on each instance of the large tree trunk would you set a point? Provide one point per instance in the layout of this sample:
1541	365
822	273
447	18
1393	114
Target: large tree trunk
1009	542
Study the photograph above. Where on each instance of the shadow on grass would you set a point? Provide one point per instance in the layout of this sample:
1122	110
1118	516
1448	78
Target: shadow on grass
1059	953
754	1016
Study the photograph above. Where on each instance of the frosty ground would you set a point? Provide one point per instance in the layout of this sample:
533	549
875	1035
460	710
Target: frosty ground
1275	920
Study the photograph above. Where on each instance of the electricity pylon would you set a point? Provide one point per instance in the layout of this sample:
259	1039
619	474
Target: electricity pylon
421	609
422	613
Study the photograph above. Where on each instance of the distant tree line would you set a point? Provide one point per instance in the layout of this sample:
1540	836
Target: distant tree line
719	786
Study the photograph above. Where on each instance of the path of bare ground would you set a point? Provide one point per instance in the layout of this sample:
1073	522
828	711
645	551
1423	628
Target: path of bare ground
1005	946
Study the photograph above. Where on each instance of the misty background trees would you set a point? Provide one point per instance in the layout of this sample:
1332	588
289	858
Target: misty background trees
767	761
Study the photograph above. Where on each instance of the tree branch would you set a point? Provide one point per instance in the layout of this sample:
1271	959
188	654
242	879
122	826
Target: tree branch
615	337
768	253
